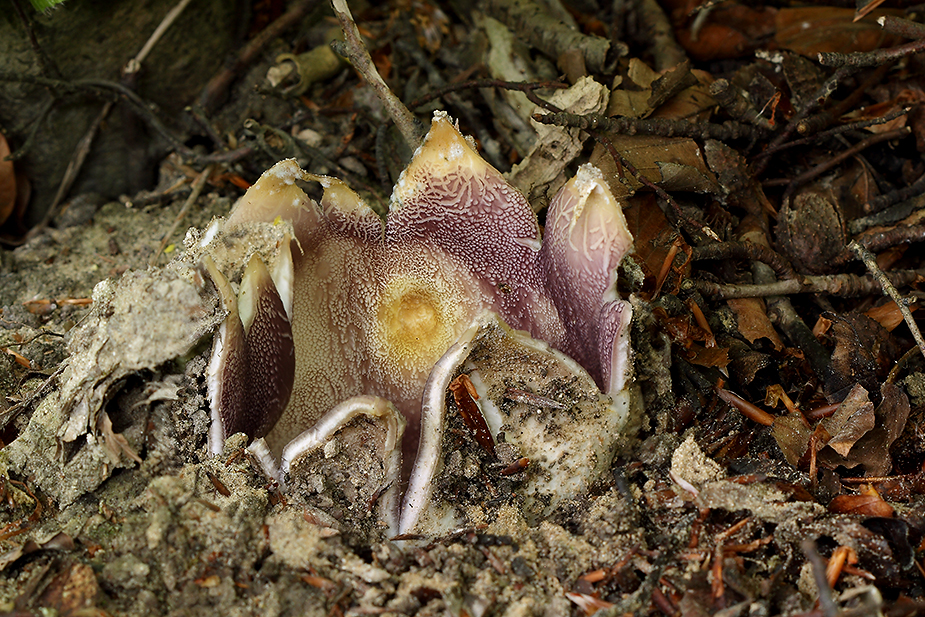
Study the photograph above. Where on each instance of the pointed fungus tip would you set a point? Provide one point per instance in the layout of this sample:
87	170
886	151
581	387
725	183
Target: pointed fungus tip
593	218
275	195
444	151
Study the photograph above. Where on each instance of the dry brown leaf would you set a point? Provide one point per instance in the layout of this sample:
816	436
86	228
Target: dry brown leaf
114	444
864	351
693	103
708	356
811	230
792	434
739	184
654	239
822	326
681	328
753	322
73	591
675	163
775	394
744	360
888	314
872	450
851	421
731	31
869	503
638	95
59	542
810	30
631	94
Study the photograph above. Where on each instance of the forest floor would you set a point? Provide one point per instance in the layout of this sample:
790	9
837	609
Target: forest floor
770	160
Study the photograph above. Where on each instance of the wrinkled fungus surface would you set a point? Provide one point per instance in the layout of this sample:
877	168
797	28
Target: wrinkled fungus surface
366	308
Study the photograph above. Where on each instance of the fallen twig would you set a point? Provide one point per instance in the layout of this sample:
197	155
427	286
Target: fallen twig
826	602
818	170
193	196
903	27
524	86
838	130
826	117
73	169
885	200
48	65
876	57
814	102
134	65
841	285
738	105
107	88
354	49
663	127
871	262
746	250
902	234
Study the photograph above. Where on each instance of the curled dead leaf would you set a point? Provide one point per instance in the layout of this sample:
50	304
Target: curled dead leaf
792	434
867	503
872	449
864	353
888	314
753	322
852	420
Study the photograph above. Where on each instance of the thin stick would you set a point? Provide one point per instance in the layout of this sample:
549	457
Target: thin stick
134	65
193	196
73	170
653	126
902	27
841	285
826	602
48	66
103	87
852	126
522	86
871	58
823	167
8	414
816	100
871	262
359	57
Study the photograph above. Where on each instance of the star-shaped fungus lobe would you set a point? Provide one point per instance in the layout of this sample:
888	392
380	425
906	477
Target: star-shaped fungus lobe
374	306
